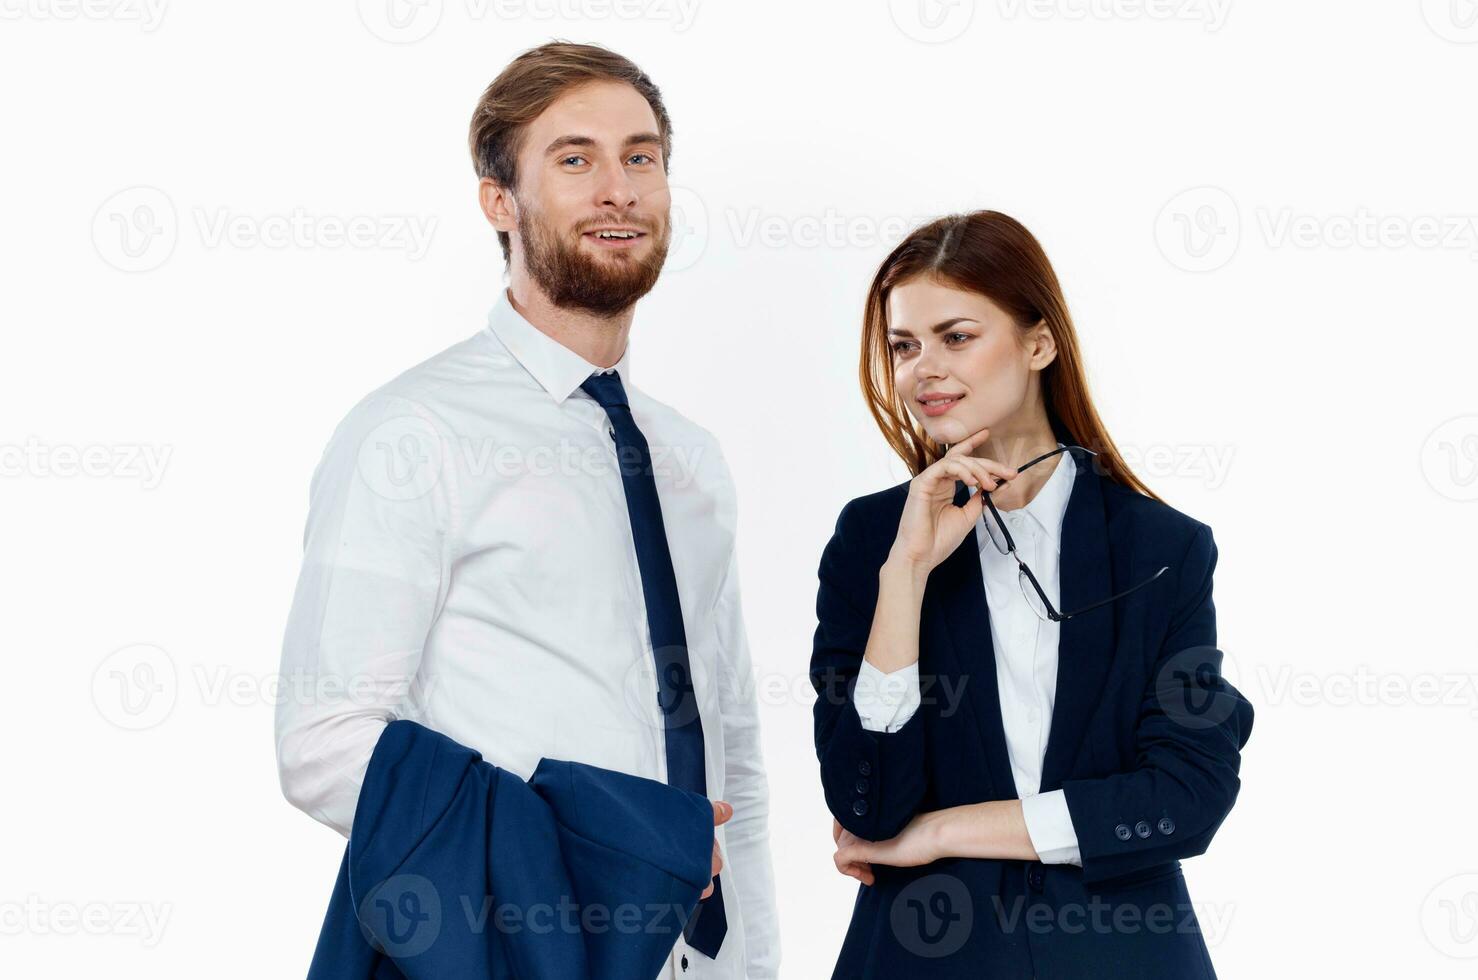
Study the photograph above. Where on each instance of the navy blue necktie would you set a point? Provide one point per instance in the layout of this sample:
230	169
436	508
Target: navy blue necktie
683	727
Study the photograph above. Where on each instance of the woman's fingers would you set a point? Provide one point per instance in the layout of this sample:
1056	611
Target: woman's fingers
989	471
957	468
973	470
852	868
968	444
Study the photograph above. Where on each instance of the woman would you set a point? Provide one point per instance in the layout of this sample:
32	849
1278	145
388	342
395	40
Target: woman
1022	730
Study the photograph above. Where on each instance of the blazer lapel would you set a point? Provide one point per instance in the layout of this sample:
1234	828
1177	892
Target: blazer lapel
956	597
1086	641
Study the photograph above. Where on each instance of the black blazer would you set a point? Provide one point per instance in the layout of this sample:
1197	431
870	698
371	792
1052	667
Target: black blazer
1145	743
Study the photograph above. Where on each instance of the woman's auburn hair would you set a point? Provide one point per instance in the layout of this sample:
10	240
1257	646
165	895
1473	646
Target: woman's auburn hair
992	254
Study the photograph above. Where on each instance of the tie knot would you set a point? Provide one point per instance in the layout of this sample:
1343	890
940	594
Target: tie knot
606	389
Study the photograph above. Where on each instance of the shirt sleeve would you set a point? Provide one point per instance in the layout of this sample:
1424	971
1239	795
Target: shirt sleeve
886	701
1050	827
746	836
374	574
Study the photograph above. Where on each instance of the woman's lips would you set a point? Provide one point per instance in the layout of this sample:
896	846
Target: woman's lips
943	403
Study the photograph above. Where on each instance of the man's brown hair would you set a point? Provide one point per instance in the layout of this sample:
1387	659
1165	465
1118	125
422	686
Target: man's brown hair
528	86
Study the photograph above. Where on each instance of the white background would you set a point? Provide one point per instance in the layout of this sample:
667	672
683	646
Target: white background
1263	213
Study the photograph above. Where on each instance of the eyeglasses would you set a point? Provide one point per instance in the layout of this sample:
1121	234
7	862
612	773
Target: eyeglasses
1031	589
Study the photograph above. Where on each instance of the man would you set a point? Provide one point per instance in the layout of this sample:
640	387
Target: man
512	545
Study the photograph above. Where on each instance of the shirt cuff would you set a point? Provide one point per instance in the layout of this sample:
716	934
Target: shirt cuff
885	702
1050	827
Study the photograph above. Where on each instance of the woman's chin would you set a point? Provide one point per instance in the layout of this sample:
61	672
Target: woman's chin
948	430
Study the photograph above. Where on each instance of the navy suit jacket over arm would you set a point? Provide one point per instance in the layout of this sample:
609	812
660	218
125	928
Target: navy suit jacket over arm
456	868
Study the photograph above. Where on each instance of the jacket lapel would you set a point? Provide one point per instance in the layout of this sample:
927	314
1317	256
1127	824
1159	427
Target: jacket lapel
956	597
1086	641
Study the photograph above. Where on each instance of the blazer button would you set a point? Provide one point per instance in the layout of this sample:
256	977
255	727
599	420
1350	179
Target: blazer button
860	808
1123	832
862	785
1142	829
865	767
1167	826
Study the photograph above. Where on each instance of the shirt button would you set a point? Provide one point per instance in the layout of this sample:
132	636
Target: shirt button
611	431
685	964
1032	716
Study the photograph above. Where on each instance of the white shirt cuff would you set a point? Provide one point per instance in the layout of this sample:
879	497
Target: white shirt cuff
1050	827
885	702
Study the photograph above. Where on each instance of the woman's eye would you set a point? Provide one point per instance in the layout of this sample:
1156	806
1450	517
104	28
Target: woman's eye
962	336
899	346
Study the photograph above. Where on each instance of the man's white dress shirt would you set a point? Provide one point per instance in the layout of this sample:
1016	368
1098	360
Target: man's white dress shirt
1025	655
469	564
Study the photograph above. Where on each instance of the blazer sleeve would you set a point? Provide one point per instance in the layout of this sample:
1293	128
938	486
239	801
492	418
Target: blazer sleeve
873	781
449	863
456	868
1191	728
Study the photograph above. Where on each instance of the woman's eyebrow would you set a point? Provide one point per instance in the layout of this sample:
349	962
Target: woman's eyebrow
939	327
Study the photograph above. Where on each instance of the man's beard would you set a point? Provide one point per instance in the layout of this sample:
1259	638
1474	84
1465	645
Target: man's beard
573	280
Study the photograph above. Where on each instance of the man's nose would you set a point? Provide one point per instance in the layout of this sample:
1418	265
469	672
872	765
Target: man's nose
616	189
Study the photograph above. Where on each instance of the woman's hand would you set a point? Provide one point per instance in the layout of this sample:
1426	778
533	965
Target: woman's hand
932	527
917	844
843	837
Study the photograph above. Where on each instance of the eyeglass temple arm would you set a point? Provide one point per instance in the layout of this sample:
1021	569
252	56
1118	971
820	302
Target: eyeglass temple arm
1119	595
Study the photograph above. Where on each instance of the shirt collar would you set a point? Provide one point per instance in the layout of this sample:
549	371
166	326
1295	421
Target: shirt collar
1049	506
558	369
